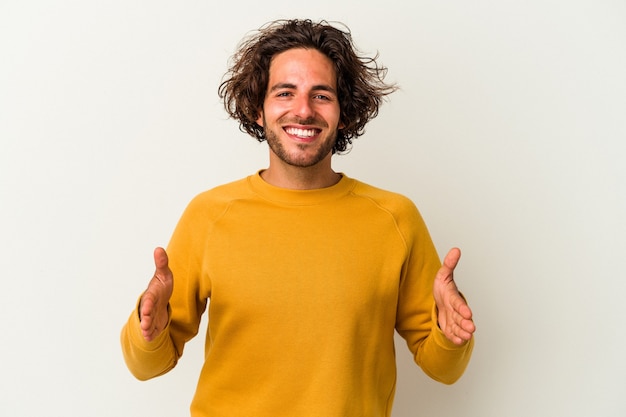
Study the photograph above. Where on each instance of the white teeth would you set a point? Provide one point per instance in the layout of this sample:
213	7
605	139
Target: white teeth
304	133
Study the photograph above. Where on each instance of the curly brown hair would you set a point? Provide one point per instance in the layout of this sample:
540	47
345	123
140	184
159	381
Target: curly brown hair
360	84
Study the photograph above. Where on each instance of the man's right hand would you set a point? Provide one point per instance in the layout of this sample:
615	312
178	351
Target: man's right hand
153	305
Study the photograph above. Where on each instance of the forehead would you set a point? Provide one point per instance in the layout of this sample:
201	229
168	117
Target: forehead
300	64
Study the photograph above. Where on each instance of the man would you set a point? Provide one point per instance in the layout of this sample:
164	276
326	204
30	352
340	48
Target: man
308	271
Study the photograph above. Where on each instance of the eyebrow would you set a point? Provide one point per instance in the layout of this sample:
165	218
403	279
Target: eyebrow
319	87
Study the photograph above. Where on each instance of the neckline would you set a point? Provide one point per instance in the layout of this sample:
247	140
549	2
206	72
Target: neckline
300	197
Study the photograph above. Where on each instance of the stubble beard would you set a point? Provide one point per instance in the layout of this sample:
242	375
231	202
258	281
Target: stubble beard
301	160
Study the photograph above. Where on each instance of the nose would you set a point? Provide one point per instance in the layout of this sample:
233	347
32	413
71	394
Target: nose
303	107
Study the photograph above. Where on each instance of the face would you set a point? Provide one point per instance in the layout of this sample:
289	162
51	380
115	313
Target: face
300	113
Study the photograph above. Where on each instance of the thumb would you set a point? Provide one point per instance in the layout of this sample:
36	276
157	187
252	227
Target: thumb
161	263
452	259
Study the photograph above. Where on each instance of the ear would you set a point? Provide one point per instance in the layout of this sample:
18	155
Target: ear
259	119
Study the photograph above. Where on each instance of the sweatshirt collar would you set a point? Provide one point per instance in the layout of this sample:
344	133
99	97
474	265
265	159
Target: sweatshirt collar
300	197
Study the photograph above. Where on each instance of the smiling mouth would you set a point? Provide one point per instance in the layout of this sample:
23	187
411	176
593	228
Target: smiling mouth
302	133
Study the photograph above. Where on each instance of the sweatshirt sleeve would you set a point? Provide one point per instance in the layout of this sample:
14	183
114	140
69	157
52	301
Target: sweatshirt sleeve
441	359
416	319
145	359
191	291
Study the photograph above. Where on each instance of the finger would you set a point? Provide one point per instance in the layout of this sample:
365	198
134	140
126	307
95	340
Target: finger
146	310
460	326
149	334
460	330
461	308
465	329
464	322
148	321
468	326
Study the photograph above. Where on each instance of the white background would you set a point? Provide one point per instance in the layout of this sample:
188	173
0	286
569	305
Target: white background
509	134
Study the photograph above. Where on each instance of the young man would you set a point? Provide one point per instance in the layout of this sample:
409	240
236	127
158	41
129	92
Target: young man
308	271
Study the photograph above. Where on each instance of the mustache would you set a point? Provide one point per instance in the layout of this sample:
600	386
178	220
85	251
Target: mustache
309	121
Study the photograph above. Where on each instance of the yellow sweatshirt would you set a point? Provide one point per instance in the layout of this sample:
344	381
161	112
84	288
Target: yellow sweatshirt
305	289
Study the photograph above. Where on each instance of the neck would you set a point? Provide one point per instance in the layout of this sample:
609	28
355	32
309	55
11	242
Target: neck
320	175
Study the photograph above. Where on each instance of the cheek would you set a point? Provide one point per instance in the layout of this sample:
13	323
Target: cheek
270	114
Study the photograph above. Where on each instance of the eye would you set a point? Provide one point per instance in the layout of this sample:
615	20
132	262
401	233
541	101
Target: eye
322	97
